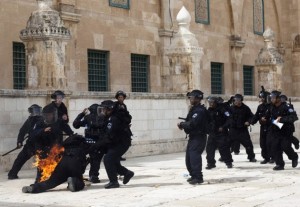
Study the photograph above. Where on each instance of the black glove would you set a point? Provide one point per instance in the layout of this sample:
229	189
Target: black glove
19	145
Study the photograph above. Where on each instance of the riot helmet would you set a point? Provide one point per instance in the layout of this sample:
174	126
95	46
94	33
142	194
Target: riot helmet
58	94
238	99
213	101
120	93
275	94
93	108
220	99
195	93
107	105
283	98
275	97
50	114
35	110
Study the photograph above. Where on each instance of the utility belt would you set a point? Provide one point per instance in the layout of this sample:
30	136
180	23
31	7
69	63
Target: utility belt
92	132
74	152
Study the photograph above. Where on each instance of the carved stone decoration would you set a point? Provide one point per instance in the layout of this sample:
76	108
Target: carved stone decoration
258	16
202	11
296	44
184	56
269	64
125	4
45	38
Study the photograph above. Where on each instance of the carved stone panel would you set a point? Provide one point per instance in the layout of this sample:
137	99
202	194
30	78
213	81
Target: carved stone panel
125	4
258	16
202	11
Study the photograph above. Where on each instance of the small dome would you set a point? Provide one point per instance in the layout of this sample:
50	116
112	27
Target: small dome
183	16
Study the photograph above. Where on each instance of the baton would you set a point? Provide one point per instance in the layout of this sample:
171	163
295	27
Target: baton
14	148
10	151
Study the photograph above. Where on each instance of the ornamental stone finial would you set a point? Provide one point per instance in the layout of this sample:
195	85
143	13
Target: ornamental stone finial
44	4
183	17
269	35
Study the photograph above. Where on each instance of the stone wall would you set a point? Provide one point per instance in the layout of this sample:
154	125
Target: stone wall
154	119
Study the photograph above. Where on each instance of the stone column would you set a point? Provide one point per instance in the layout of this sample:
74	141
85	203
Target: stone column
45	39
269	64
237	45
165	32
296	66
184	56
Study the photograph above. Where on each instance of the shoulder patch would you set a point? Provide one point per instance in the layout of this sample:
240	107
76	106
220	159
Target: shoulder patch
226	113
109	125
195	115
291	110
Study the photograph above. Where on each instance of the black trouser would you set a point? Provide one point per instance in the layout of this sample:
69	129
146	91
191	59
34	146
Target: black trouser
294	141
95	161
26	153
242	135
193	159
235	146
280	144
69	166
263	142
112	161
220	142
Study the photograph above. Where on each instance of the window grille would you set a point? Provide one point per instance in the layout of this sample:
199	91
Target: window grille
216	78
19	66
97	70
139	72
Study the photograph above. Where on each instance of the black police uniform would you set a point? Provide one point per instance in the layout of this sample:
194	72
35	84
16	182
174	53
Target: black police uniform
217	139
293	139
45	140
238	131
195	127
95	127
28	149
61	110
119	138
280	137
262	112
70	168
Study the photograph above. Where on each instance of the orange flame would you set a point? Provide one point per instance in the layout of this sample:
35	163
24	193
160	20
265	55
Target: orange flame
47	165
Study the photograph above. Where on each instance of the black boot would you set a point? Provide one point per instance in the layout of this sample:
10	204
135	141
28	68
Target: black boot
210	166
127	177
195	181
295	162
278	167
265	161
229	165
114	184
94	179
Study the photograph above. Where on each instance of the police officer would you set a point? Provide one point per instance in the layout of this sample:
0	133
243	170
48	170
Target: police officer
94	128
121	106
62	111
293	139
70	168
49	132
218	134
28	150
281	113
240	120
195	127
264	121
117	140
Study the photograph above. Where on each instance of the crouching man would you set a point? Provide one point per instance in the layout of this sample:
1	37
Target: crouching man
70	168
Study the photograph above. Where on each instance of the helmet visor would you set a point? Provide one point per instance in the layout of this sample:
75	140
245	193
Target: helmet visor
50	117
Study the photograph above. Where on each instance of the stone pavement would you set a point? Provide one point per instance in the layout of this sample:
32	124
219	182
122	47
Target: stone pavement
161	181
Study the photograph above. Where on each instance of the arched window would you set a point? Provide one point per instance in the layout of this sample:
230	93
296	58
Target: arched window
202	11
258	17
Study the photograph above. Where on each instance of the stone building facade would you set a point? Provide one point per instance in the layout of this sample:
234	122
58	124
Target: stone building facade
153	49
